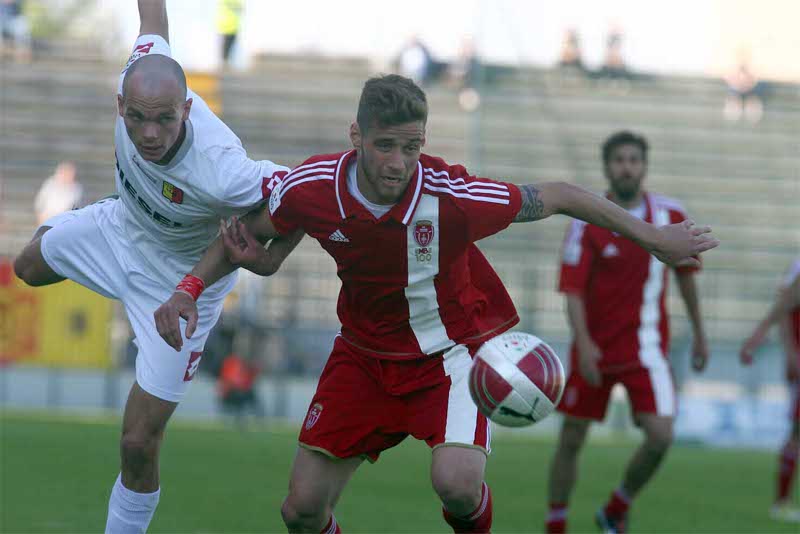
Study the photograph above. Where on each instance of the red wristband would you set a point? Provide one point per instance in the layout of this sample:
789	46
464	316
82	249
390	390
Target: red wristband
192	286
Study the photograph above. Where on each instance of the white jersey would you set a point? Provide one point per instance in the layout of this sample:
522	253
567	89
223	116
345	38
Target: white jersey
170	213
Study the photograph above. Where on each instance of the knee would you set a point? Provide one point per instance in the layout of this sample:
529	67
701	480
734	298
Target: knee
572	439
659	440
304	513
459	492
139	449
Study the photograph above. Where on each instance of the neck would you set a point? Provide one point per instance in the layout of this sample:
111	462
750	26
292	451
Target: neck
175	147
627	204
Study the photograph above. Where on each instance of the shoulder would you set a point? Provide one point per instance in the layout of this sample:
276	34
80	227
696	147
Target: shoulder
672	205
455	183
312	179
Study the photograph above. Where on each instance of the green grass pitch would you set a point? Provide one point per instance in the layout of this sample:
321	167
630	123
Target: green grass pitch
56	472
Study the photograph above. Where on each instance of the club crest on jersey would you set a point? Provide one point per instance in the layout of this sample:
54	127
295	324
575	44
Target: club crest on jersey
172	193
313	415
423	235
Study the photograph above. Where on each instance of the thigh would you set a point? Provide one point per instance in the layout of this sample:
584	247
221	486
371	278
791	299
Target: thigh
351	415
583	400
161	370
318	480
445	414
651	390
77	248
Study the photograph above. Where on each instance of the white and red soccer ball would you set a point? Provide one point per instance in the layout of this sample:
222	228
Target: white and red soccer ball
516	379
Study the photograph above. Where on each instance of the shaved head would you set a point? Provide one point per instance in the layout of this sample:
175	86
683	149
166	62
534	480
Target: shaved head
154	106
155	74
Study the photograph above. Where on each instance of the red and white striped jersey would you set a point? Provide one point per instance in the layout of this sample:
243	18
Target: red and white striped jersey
413	282
791	275
623	289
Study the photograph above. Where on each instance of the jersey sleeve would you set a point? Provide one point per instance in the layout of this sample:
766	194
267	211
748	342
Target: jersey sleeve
283	209
677	215
145	45
488	206
244	183
577	257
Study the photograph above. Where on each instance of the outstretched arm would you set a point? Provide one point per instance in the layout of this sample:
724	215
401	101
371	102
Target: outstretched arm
153	18
671	244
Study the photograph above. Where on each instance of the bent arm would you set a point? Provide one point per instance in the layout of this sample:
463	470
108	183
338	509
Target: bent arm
215	264
153	18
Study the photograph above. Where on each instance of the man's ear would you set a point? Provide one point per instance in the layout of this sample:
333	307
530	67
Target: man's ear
187	107
355	136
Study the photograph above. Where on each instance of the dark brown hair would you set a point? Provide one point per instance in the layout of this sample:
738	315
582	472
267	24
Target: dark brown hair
624	137
390	100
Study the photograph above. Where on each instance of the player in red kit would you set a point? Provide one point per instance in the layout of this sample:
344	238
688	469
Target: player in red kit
417	298
786	313
615	292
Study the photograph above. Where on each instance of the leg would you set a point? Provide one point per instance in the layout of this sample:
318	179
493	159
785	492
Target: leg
787	466
30	265
315	485
564	467
647	459
136	492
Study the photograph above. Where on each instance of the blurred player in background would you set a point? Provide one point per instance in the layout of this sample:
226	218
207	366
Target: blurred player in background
179	169
785	312
615	292
418	298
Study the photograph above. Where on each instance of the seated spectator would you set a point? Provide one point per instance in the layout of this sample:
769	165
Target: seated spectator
16	35
416	62
571	56
465	74
744	95
59	193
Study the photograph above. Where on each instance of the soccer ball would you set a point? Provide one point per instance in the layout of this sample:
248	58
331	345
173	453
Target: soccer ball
516	379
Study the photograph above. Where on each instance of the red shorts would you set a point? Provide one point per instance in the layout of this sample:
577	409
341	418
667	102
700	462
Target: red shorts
650	390
364	405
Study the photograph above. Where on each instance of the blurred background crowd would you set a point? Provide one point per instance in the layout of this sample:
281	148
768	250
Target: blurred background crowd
519	90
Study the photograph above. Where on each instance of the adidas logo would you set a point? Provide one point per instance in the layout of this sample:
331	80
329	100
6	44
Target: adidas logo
338	236
610	251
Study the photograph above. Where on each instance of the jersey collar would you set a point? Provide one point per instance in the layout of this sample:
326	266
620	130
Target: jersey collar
402	212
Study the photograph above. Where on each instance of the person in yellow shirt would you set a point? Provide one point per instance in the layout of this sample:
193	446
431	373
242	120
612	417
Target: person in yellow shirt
229	16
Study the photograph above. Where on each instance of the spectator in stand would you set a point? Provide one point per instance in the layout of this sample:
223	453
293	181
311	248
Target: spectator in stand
614	67
416	62
571	56
15	31
465	74
744	95
229	18
59	193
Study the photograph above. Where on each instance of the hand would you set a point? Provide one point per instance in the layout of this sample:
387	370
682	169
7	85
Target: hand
242	249
750	346
699	353
167	316
588	356
677	243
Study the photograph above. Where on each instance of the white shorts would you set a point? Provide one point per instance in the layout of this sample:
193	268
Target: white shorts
86	246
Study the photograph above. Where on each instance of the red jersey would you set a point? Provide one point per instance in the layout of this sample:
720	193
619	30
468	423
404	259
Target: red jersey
791	276
413	282
623	289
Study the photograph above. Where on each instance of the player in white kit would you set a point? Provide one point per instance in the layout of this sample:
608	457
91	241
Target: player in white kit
179	170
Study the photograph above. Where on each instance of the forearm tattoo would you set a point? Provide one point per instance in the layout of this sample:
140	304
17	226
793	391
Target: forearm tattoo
532	208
